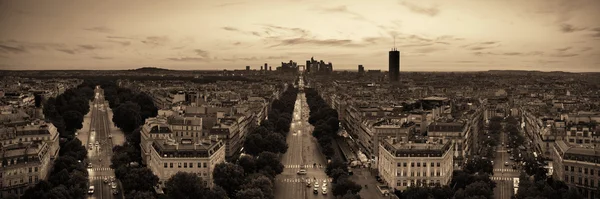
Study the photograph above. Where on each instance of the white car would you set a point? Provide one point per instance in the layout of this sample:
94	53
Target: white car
324	191
91	190
113	185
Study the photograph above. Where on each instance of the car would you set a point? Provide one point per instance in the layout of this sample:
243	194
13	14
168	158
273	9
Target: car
113	185
91	190
308	184
90	165
506	164
105	180
302	172
112	179
324	191
97	143
316	191
110	136
316	185
115	191
511	158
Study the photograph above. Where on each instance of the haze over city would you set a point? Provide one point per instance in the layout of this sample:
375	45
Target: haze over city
456	35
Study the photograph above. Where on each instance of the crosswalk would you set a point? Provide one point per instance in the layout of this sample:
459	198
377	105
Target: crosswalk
100	169
297	166
99	177
300	180
501	178
506	170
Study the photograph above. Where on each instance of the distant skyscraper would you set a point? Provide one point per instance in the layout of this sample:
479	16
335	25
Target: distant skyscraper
270	69
308	66
247	68
266	66
361	69
394	68
261	68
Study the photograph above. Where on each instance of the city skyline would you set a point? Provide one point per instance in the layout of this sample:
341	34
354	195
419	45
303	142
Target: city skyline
556	35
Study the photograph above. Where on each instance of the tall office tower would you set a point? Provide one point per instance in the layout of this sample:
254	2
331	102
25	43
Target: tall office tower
308	66
394	68
361	69
270	69
261	68
247	68
266	66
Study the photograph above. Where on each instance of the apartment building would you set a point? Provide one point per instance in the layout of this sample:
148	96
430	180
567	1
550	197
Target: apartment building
28	152
578	166
453	131
167	151
403	163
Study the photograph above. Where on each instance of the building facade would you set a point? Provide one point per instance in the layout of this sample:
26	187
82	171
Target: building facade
28	153
403	164
166	152
578	167
394	65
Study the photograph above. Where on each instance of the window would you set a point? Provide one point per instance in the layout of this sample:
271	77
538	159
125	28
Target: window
431	174
191	165
399	164
412	164
591	171
572	179
585	171
184	164
404	164
572	169
30	170
438	173
585	181
199	165
418	164
165	165
179	165
36	179
31	179
438	164
398	184
566	168
204	164
579	169
432	164
580	180
418	173
171	165
412	173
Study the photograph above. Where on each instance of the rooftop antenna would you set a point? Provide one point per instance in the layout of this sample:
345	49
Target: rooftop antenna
394	43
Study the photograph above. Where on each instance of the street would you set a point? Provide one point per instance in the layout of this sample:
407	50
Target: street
303	153
99	145
503	175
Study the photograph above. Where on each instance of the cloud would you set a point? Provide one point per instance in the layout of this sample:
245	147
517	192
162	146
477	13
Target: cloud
123	43
563	49
100	29
513	53
230	4
118	37
296	32
567	28
156	40
188	59
343	10
88	47
230	29
563	55
597	32
585	49
237	43
431	11
277	57
10	49
428	50
72	52
481	45
317	42
101	58
202	53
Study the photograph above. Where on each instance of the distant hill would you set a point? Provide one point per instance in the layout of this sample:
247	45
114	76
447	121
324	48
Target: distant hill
150	69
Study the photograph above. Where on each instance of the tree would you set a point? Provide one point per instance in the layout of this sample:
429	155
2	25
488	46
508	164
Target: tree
68	163
140	179
73	120
350	195
336	173
479	165
248	163
254	144
229	176
269	160
127	117
417	193
74	148
253	193
263	183
344	185
60	191
275	143
140	195
185	185
479	188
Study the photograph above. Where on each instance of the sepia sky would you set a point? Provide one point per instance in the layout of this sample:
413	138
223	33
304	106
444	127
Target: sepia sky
443	35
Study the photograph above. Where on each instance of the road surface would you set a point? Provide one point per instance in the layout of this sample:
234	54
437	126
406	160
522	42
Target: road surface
99	146
303	153
503	175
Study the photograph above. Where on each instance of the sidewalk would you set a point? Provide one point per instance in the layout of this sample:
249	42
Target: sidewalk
83	133
118	138
363	176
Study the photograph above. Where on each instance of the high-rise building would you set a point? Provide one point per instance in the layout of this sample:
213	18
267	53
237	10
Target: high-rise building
261	68
394	68
308	64
361	69
266	66
270	68
247	68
